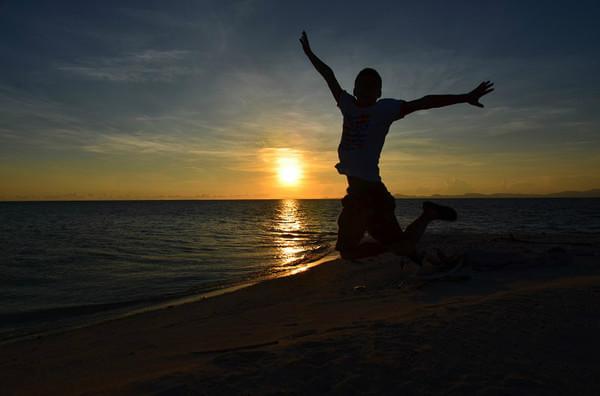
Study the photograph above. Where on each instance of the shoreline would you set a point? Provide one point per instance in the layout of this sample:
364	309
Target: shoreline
117	314
522	311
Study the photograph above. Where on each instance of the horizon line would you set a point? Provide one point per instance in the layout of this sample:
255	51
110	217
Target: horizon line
592	193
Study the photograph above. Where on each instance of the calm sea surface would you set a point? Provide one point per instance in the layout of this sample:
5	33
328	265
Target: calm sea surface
63	262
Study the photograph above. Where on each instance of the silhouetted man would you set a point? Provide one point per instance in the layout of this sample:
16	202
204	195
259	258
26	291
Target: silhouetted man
368	206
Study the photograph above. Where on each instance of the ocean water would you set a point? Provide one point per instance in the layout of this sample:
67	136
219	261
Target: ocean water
67	262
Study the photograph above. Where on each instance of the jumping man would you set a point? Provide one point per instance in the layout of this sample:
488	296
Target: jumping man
368	206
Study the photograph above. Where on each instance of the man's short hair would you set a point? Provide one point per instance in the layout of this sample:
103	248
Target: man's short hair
368	72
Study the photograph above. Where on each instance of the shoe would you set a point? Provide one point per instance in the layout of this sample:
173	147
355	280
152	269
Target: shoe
442	212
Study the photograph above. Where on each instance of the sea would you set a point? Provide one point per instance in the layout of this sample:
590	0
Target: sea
67	264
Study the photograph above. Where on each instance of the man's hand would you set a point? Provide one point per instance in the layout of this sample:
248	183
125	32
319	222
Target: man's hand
305	43
482	89
322	68
433	101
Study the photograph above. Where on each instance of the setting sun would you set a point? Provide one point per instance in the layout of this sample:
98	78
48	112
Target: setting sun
289	171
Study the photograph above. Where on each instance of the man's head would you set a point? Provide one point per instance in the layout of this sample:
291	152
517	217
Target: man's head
367	86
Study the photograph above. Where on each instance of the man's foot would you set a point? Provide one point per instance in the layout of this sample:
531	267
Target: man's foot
439	212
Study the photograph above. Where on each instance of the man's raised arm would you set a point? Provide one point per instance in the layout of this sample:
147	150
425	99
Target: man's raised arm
433	101
322	68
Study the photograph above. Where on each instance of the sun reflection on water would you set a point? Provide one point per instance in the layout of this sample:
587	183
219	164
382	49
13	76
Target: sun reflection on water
289	240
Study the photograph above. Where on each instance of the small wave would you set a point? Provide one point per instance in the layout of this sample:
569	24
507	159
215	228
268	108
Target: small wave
308	256
58	313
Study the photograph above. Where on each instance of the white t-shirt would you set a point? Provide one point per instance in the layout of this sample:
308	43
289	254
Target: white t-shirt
363	135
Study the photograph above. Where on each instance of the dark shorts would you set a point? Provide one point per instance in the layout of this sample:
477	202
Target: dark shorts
367	207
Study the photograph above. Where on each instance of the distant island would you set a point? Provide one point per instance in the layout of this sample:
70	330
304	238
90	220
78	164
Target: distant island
594	193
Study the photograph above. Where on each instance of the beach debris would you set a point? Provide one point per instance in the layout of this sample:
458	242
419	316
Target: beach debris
556	256
436	265
410	284
557	249
512	238
492	259
445	268
404	260
442	261
301	334
236	348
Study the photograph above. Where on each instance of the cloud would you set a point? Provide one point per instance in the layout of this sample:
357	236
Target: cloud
148	65
36	121
151	144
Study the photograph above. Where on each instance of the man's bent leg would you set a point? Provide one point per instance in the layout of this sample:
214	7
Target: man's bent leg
352	224
416	229
384	227
431	212
388	232
413	233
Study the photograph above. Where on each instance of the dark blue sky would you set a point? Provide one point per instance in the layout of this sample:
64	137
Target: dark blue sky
188	98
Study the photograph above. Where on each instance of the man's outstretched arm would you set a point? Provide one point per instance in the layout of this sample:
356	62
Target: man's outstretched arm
433	101
322	68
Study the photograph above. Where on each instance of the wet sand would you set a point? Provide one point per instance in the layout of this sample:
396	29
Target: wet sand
521	317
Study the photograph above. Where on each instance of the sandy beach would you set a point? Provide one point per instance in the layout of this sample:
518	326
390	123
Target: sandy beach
520	317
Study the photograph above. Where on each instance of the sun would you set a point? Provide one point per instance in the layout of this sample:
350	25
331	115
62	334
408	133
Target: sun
289	171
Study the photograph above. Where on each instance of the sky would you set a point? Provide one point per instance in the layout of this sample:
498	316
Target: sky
207	99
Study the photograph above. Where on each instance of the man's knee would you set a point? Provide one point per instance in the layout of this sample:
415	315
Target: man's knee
346	245
351	229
